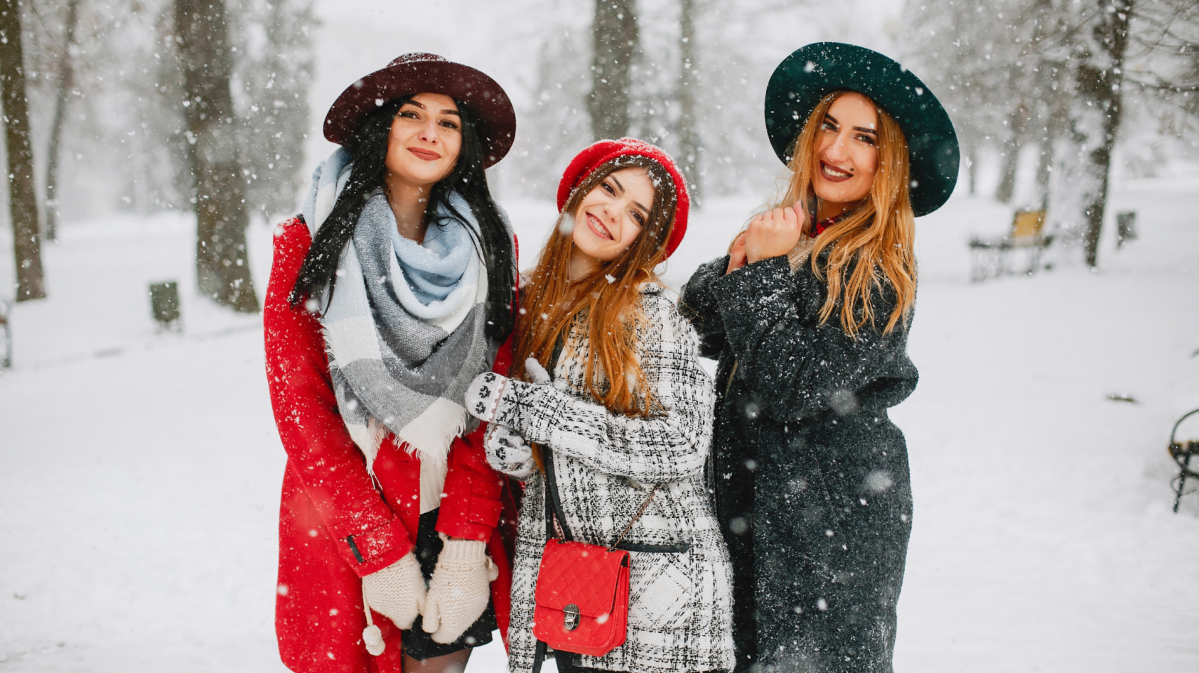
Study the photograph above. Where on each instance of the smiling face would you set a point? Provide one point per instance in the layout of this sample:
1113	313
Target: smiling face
611	216
425	139
846	153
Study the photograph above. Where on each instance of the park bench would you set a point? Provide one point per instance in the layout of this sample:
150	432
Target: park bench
994	257
1182	451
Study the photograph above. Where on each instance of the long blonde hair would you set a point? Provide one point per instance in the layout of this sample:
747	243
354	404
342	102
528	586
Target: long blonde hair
879	234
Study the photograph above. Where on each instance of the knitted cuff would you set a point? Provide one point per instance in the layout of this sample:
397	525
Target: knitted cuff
483	395
507	405
468	551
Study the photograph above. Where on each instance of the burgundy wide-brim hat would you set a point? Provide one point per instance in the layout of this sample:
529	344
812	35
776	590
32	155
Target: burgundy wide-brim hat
428	73
603	151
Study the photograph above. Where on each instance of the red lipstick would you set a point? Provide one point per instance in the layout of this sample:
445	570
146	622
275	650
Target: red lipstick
833	178
427	155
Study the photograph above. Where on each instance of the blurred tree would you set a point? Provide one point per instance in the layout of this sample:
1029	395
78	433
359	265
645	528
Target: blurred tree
272	70
121	106
1017	131
1045	72
688	131
1037	104
730	61
970	56
1161	73
614	46
220	188
558	112
707	68
1095	111
66	78
22	194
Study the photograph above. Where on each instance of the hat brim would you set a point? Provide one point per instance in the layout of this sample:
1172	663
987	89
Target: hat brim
485	97
815	70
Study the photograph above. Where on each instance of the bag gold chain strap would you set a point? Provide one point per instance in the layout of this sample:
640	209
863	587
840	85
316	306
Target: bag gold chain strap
554	529
640	511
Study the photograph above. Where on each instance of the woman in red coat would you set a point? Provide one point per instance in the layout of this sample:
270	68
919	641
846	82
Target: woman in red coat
387	297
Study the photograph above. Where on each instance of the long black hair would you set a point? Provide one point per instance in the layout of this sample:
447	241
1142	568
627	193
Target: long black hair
368	150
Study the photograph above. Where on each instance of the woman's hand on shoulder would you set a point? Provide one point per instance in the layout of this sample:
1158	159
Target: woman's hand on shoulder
773	233
736	254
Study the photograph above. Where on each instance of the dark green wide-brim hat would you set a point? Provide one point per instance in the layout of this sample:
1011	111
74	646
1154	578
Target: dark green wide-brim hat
812	71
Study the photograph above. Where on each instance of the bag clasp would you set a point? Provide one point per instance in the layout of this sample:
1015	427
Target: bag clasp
570	620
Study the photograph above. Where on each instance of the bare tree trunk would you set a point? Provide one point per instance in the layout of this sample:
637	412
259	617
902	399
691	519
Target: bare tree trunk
1099	82
689	143
1053	130
1018	124
1044	94
22	194
275	78
614	39
972	167
221	217
66	79
1044	169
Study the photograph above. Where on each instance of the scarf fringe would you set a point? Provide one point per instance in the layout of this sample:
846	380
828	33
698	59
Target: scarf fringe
431	434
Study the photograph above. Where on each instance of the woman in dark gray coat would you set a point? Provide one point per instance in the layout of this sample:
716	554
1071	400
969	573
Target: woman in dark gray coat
809	316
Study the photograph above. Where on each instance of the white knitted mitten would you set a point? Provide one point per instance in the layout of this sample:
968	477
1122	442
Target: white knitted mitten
507	452
459	590
536	372
397	591
484	393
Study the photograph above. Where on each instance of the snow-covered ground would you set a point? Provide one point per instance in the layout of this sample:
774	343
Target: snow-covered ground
139	471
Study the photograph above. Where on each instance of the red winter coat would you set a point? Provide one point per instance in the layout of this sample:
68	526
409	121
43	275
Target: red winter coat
328	495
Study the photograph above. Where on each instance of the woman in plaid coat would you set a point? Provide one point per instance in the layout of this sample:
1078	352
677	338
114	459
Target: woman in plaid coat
600	444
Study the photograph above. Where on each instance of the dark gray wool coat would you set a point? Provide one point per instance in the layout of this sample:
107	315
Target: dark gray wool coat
810	476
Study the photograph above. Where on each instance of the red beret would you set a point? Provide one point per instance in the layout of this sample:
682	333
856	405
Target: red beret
428	73
604	151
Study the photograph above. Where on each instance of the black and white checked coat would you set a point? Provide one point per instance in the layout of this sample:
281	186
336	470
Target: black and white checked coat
603	466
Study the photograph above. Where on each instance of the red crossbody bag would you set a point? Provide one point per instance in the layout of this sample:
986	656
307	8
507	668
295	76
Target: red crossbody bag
582	595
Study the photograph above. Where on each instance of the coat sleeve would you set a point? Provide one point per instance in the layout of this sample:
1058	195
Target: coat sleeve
699	306
668	446
368	534
795	366
472	501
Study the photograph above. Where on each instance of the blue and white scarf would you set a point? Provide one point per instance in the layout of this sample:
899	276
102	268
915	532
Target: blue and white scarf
405	326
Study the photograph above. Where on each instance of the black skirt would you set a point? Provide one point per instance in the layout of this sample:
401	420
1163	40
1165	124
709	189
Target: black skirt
418	644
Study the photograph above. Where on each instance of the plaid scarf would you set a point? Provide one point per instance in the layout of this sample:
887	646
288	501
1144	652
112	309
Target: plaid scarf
400	365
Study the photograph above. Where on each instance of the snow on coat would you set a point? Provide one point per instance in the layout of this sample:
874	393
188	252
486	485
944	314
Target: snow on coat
811	477
335	526
604	465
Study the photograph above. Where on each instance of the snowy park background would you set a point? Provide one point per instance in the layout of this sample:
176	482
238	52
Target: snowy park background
140	470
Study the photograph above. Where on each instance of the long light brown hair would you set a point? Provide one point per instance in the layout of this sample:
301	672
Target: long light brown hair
607	299
879	235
